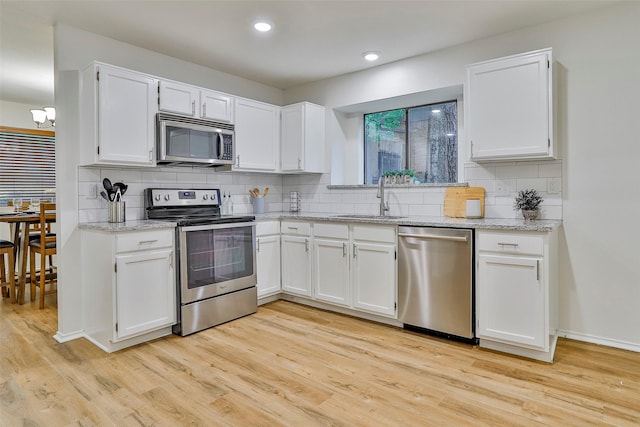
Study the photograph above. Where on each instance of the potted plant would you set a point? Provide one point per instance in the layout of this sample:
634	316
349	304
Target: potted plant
528	201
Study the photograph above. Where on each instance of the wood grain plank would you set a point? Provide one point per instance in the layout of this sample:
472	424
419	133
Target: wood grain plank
294	365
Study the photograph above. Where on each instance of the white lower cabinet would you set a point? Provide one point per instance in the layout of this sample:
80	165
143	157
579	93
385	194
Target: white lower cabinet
130	293
331	263
268	257
355	266
374	277
516	304
296	258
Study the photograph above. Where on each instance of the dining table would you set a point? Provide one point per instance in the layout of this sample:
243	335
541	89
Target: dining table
19	223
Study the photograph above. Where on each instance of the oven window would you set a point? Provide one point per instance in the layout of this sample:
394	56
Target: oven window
216	256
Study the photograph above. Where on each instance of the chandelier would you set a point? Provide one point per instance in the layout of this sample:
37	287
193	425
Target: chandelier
44	118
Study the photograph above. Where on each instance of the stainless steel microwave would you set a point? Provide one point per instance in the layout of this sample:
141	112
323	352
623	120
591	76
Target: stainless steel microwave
187	140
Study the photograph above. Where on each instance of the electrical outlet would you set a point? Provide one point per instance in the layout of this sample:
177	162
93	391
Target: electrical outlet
554	185
503	188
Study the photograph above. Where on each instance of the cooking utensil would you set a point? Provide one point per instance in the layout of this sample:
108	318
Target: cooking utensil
256	191
266	191
118	197
106	183
104	195
122	186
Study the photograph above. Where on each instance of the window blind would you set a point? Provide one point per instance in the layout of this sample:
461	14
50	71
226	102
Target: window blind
27	164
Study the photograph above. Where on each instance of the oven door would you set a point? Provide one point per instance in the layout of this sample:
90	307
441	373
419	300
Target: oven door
216	259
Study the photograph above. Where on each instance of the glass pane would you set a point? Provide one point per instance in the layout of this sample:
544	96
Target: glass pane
216	256
433	142
384	142
177	142
202	145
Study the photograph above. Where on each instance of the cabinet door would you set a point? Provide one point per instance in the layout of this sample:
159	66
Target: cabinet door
292	129
145	292
127	106
257	131
216	106
302	138
374	277
331	270
178	98
509	111
268	264
296	265
511	300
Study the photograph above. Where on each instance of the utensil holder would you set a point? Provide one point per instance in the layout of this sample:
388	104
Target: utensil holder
116	211
258	205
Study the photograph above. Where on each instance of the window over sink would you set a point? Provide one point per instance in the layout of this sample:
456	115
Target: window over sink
423	139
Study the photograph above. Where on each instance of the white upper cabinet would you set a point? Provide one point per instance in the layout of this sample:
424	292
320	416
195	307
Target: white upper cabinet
257	131
118	110
184	99
216	106
508	107
302	130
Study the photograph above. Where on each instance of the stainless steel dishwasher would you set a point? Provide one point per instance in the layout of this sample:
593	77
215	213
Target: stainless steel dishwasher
435	281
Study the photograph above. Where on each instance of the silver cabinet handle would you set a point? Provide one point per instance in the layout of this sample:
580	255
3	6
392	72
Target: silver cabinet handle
299	163
306	245
147	242
355	250
344	250
515	245
171	260
538	270
238	161
204	110
433	237
193	108
257	245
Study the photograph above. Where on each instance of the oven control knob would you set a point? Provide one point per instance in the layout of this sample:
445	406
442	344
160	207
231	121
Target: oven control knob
157	197
213	197
166	197
205	197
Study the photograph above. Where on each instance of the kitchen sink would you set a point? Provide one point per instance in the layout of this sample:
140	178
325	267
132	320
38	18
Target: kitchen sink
368	216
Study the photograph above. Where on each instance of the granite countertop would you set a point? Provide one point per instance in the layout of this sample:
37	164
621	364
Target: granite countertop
135	225
423	221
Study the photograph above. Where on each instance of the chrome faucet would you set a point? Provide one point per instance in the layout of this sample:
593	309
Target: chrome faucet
384	205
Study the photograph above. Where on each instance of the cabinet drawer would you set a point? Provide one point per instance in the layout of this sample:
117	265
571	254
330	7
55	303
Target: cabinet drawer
297	228
265	228
335	231
126	242
513	243
374	233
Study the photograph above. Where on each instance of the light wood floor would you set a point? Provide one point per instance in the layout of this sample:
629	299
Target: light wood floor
292	365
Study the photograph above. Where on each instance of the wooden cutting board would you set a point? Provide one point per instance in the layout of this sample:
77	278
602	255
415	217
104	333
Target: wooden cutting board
455	200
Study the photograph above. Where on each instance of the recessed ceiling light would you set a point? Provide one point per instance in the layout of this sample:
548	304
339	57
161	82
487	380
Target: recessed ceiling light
263	26
371	55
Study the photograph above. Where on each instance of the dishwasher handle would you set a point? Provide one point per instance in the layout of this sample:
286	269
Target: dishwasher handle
435	237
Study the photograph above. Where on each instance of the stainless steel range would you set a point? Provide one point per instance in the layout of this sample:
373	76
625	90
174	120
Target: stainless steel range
216	271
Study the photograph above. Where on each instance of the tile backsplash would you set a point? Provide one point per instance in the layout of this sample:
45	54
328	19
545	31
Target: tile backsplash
93	208
502	181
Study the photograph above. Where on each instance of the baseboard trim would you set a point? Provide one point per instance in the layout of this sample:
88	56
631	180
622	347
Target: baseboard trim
62	338
593	339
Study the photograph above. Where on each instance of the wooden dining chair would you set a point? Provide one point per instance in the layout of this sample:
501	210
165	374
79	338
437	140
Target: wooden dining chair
7	270
45	246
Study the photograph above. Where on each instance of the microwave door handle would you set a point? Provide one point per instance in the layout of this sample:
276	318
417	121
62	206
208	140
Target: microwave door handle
218	145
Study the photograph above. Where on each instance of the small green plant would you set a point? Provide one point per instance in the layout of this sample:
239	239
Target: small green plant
527	200
409	172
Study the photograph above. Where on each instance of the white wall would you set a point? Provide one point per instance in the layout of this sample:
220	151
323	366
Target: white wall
598	69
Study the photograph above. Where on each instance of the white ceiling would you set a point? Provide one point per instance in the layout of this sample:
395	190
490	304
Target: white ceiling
311	40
